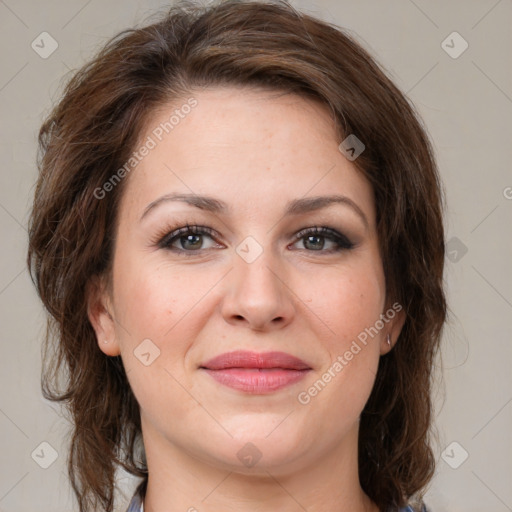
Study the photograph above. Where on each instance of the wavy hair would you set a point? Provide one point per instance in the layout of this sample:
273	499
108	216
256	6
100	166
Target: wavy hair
93	129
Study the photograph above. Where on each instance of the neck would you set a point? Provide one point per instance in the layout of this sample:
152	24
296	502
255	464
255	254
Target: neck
179	481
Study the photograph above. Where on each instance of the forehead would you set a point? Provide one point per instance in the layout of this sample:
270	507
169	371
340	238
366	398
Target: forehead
247	147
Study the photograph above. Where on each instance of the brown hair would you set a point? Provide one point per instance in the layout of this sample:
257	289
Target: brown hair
92	131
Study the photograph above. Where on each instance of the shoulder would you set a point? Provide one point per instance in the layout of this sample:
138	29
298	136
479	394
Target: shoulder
135	503
409	508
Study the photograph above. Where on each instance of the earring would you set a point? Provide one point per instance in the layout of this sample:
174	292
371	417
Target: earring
105	341
388	340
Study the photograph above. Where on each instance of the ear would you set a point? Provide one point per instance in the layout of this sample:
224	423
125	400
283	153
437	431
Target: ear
396	318
99	311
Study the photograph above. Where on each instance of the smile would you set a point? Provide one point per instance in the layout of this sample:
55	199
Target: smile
257	373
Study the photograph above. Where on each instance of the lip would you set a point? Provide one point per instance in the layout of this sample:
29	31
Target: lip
254	372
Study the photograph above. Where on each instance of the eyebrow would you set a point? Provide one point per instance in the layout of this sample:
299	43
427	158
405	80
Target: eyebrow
294	207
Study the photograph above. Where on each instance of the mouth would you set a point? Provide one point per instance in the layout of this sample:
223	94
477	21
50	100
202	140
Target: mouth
257	373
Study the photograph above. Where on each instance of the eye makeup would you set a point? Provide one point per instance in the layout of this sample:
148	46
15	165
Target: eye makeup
314	237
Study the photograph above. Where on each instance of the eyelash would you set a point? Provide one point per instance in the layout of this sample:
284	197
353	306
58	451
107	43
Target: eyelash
165	242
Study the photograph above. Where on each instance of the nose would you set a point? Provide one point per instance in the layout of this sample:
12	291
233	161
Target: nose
258	294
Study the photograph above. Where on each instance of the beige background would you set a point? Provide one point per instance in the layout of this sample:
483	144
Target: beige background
466	103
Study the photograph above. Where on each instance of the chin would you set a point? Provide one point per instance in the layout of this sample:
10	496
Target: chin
265	444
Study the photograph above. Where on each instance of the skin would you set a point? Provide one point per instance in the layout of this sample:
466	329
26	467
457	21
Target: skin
255	151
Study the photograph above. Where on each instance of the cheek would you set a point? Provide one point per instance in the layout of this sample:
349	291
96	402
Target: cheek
155	303
153	299
350	304
348	301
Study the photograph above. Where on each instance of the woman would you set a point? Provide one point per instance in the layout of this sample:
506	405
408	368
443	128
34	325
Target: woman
237	231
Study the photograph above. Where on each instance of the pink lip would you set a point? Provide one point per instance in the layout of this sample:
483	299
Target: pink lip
254	372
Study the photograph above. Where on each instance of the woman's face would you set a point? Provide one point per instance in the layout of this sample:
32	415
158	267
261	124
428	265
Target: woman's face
249	279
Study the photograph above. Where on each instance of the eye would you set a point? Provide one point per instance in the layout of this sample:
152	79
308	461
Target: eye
314	239
190	239
187	239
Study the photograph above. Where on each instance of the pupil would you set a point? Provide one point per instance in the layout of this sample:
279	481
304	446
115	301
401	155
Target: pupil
194	241
312	237
190	239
